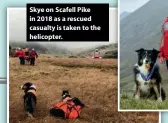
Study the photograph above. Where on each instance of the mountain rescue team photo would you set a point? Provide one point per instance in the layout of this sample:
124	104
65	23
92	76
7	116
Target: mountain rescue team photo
67	108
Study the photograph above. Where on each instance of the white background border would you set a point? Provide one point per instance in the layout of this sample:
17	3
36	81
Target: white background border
7	66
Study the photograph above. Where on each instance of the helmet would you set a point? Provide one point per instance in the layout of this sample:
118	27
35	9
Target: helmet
32	48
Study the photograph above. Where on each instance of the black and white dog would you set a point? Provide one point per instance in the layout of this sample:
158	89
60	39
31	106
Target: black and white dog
147	76
29	98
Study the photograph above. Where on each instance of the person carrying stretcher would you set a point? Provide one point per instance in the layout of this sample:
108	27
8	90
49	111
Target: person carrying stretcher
21	55
33	56
27	55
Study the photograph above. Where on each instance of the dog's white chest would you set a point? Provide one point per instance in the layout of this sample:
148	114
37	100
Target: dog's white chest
33	86
143	70
144	86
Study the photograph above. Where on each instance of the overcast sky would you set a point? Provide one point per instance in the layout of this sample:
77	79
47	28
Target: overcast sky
131	5
17	29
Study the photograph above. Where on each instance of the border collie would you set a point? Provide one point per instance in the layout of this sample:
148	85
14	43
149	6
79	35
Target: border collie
29	98
147	76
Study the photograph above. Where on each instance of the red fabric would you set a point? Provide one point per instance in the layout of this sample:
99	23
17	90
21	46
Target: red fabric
21	53
164	47
33	54
16	53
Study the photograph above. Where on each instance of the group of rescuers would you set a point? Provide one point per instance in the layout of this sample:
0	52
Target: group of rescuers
26	54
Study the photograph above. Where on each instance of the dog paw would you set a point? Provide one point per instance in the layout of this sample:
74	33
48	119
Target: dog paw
137	97
159	99
29	115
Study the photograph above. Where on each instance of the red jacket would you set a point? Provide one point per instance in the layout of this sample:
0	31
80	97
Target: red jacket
16	53
33	54
164	47
21	54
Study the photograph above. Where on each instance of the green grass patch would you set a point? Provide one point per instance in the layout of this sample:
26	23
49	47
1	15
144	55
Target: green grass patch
127	101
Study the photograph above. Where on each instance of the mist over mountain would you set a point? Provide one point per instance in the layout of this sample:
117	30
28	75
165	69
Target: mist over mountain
106	51
41	48
141	29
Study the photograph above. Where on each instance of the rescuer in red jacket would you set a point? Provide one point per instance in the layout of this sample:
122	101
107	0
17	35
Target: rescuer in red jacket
21	55
16	53
164	42
33	56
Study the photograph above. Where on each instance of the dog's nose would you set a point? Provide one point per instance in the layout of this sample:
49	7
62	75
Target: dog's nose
147	61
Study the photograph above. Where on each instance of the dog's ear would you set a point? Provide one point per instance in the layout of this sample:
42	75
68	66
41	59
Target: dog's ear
155	51
140	50
21	87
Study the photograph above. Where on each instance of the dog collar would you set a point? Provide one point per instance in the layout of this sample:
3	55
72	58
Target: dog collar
146	82
147	78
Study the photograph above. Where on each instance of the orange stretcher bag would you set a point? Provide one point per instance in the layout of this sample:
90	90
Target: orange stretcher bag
66	109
